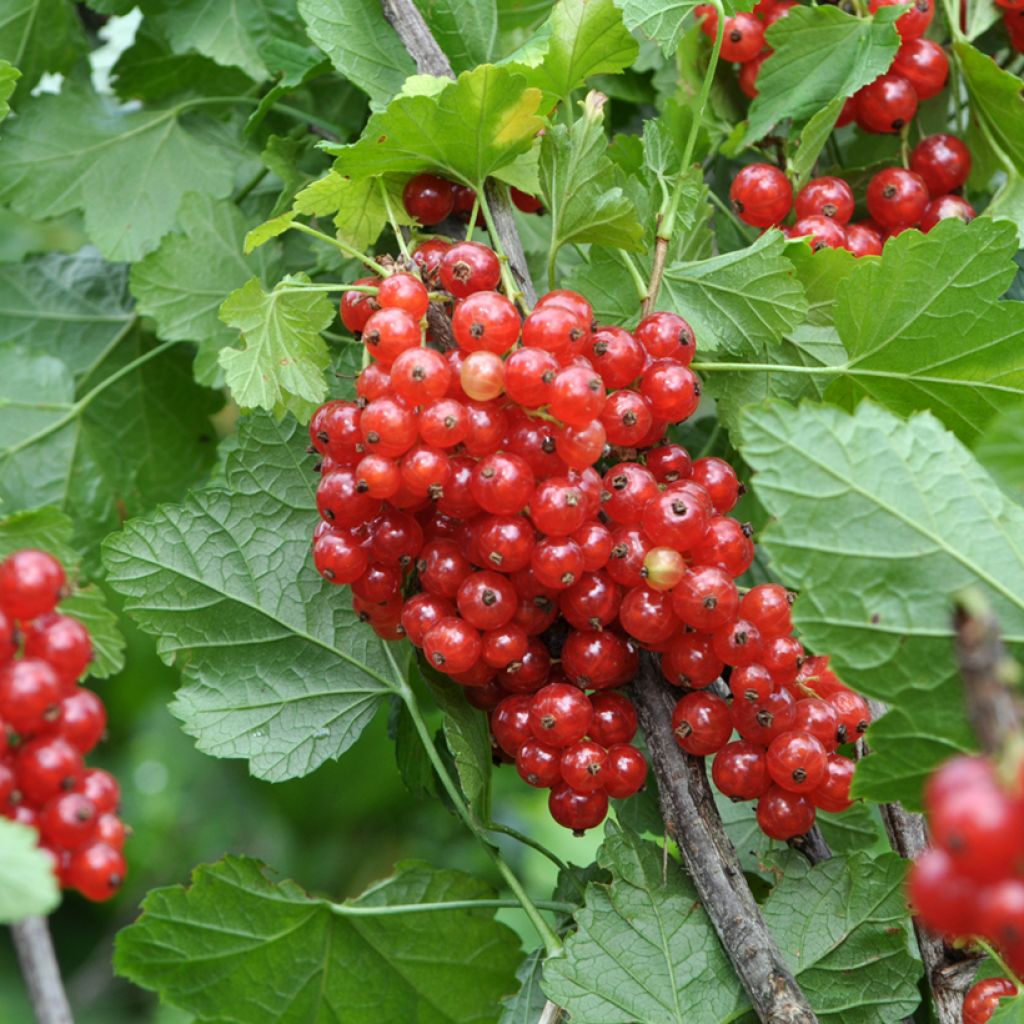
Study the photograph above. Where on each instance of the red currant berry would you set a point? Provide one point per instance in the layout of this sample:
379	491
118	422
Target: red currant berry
761	195
577	811
944	899
886	105
749	70
752	683
524	201
429	198
538	764
719	479
616	355
663	568
913	23
825	197
742	39
833	795
555	328
862	240
672	390
629	487
591	602
983	998
557	507
506	644
96	871
373	382
1001	916
597	659
30	584
582	766
690	661
647	615
667	336
976	828
797	761
943	163
854	714
101	788
581	447
626	419
669	463
427	257
676	518
442	567
701	724
570	300
68	821
727	545
626	560
625	771
706	598
946	208
529	376
111	831
83	720
502	484
485	322
529	673
924	65
423	611
47	766
614	720
452	645
510	723
557	562
487	600
738	643
357	307
389	333
782	814
420	375
761	721
740	771
823	232
30	693
469	267
444	424
403	291
61	641
389	428
768	606
577	396
560	714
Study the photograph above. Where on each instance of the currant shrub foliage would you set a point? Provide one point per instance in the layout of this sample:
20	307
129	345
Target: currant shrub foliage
158	292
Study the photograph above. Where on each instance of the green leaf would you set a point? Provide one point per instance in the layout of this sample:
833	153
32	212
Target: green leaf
9	76
665	22
183	283
64	152
999	449
583	190
738	301
820	53
280	671
281	367
865	946
468	738
267	231
526	1006
38	36
27	883
467	30
863	508
360	43
74	306
472	128
924	330
587	38
232	33
1009	1011
51	530
812	141
608	285
997	103
237	947
645	951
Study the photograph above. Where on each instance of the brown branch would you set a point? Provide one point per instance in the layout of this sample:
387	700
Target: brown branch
657	272
986	669
430	59
692	820
40	971
812	846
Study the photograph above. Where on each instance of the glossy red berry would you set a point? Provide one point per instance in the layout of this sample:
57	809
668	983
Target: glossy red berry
444	423
616	355
560	714
761	195
597	659
646	614
357	307
421	612
822	232
555	328
502	484
577	811
629	487
30	693
538	764
83	719
897	198
429	198
740	771
667	336
762	720
510	723
101	788
751	683
706	598
946	208
31	582
783	814
747	77
768	606
420	375
701	723
469	267
983	998
942	161
743	37
924	65
797	761
975	826
388	426
557	562
911	24
524	201
389	333
557	507
672	390
111	831
625	771
690	661
675	518
427	257
485	322
580	447
403	291
47	766
886	105
96	871
487	600
739	643
863	240
68	821
505	644
669	463
833	794
853	713
726	544
614	719
577	396
582	766
506	543
719	479
452	645
529	376
825	197
61	641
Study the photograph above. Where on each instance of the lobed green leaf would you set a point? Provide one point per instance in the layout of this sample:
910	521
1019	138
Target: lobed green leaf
27	883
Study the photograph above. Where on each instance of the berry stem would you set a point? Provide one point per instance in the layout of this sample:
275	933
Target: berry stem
997	958
40	970
508	280
392	220
348	250
551	941
508	830
353	910
472	217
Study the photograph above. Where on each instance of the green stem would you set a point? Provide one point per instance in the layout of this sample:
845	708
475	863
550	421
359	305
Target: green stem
634	273
709	444
507	280
767	367
354	910
80	405
250	184
994	953
705	88
366	289
306	118
472	217
744	229
508	830
403	248
348	250
551	941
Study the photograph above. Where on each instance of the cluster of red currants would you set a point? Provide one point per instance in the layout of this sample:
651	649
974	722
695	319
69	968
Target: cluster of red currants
1013	19
430	199
971	881
504	497
897	199
48	723
918	72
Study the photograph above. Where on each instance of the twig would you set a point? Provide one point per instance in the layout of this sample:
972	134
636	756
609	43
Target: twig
40	971
985	667
657	272
812	846
949	972
551	1014
430	59
692	820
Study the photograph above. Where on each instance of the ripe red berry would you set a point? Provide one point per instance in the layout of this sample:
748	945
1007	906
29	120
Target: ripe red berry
626	419
560	714
389	333
524	201
111	831
452	645
945	900
819	719
47	766
946	208
96	871
826	197
557	562
913	23
752	683
577	811
823	232
749	70
784	815
429	198
616	355
421	612
672	390
420	375
886	104
726	544
403	291
101	788
762	720
625	771
647	615
469	267
485	322
669	463
676	518
510	723
768	606
30	584
975	826
983	998
833	795
738	643
557	507
502	484
690	661
486	600
629	487
68	821
388	427
83	719
1001	916
582	766
897	198
427	256
853	712
943	163
719	479
797	761
863	240
570	300
357	307
61	641
577	396
667	336
701	723
581	447
783	656
555	328
30	693
706	598
742	39
505	645
740	771
924	65
614	719
761	195
529	376
538	764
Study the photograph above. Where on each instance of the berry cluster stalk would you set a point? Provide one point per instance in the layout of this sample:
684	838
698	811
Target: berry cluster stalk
40	971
